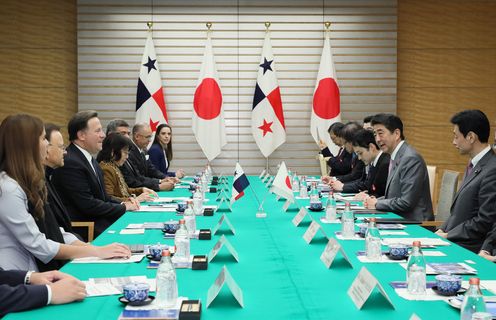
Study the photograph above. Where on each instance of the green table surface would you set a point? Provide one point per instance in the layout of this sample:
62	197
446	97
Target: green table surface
281	276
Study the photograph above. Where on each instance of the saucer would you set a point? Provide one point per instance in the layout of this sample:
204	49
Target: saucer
145	302
316	210
394	258
459	292
150	257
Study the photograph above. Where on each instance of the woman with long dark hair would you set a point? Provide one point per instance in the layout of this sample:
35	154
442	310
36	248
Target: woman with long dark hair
30	238
114	153
161	151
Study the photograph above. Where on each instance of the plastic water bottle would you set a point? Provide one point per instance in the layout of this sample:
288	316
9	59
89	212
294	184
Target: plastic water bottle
303	187
190	219
181	241
416	273
314	194
296	183
166	296
347	222
473	301
198	201
373	248
331	208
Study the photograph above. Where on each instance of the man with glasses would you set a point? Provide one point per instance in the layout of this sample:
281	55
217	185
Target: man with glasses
140	172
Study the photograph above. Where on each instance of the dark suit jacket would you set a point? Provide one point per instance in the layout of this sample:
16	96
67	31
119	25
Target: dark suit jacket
357	170
374	182
339	164
490	243
82	194
407	188
473	211
159	160
16	296
139	172
56	204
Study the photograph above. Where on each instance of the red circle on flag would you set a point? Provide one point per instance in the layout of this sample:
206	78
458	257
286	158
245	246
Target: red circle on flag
326	99
288	182
208	99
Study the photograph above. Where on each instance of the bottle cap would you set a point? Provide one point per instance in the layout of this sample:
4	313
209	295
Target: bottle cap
165	253
416	244
474	281
372	220
181	221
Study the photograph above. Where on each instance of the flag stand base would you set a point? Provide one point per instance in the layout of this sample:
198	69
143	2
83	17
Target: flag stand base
261	214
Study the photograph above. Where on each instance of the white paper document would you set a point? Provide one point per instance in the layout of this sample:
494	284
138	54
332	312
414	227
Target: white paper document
409	241
109	286
132	231
134	258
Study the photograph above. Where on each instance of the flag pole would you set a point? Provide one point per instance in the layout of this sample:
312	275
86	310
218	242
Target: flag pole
267	165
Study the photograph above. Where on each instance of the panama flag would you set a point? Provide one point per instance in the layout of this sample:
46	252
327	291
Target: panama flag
240	183
282	184
267	117
326	107
150	103
208	117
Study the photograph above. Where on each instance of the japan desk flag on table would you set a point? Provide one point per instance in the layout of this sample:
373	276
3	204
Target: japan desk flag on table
282	184
267	117
150	103
240	183
208	117
326	106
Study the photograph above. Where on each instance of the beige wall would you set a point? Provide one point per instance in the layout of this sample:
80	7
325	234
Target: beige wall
446	63
38	67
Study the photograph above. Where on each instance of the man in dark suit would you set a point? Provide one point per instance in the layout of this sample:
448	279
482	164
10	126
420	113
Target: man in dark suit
357	165
373	180
473	211
407	187
80	183
138	171
340	164
21	290
488	250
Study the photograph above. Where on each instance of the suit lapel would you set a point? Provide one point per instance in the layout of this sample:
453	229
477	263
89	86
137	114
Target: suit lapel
477	169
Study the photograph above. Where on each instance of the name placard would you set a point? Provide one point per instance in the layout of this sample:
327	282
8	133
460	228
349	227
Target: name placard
223	219
331	250
298	218
312	231
262	174
362	288
215	250
224	277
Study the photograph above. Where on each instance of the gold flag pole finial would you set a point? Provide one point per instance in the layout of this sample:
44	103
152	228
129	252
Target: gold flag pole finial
267	26
327	25
150	25
209	25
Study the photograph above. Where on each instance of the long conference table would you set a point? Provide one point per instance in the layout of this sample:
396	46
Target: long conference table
281	276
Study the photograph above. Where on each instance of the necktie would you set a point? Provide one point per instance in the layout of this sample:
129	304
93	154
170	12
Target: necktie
468	170
391	166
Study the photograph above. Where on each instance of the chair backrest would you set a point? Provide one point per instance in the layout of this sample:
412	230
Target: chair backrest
323	164
447	193
431	171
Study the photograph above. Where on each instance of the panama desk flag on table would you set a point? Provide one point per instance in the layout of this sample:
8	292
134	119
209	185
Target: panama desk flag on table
267	117
240	183
326	105
281	185
150	103
208	117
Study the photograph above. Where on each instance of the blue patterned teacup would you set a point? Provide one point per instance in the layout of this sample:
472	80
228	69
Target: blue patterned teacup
448	284
398	251
363	229
181	206
316	205
156	251
170	227
136	291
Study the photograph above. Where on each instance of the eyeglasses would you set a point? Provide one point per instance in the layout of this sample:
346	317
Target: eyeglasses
62	147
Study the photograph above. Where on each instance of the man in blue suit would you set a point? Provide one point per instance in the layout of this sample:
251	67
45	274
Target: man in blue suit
21	290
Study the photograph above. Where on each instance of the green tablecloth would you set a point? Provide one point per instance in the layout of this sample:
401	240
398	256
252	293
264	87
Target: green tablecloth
281	276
